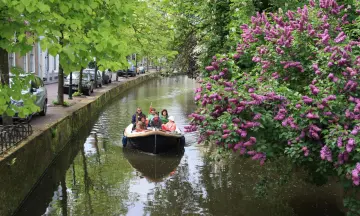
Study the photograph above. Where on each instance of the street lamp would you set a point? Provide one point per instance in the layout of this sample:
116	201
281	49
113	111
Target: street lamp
70	87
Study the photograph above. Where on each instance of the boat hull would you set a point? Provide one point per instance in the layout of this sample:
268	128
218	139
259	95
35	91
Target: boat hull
156	143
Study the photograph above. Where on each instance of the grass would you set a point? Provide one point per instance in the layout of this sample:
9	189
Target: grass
66	104
76	94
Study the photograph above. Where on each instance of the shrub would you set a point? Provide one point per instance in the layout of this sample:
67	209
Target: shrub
299	98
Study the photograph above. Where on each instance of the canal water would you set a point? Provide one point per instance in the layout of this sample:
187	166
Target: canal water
94	175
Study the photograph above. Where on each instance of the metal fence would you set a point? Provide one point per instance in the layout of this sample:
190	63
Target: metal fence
11	135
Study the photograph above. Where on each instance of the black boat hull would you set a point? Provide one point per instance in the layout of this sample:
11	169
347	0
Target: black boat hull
156	144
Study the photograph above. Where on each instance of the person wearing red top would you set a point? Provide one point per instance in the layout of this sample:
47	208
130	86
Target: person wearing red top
170	126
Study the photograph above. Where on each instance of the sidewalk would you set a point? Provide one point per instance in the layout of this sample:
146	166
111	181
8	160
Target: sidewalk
56	112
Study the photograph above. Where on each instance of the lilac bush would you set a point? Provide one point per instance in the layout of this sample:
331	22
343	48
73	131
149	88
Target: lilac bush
300	97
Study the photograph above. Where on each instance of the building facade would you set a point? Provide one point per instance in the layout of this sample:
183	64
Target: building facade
37	62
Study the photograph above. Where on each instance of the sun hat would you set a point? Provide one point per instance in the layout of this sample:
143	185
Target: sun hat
171	118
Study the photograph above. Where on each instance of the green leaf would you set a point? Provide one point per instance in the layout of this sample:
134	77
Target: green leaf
69	52
63	8
26	3
10	112
99	47
31	8
43	7
20	7
53	50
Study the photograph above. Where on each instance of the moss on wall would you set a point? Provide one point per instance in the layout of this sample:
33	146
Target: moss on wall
23	168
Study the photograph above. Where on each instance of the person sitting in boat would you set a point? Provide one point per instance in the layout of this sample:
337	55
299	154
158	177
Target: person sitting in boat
136	116
156	121
164	116
151	114
141	125
170	126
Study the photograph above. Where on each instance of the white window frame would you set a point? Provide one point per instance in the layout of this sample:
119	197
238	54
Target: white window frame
47	62
25	63
12	60
32	61
54	64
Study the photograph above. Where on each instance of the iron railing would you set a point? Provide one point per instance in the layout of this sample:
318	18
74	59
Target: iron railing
11	135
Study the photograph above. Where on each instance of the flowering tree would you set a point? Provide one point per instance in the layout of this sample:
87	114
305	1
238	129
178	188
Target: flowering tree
298	94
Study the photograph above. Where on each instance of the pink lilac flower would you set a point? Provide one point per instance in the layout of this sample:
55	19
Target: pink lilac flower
325	153
209	68
197	97
312	116
339	142
355	174
306	151
307	99
314	90
225	136
355	131
350	145
340	38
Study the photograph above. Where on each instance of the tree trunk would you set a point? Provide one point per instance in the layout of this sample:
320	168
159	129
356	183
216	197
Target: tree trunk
86	182
64	196
4	77
60	96
4	67
80	80
147	63
96	78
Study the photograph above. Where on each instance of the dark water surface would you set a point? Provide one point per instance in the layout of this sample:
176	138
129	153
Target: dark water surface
94	175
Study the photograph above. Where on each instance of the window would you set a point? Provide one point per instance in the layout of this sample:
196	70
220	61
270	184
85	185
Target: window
32	61
25	63
11	60
47	62
55	68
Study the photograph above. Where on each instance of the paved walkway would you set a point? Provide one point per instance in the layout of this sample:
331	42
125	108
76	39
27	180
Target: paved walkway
55	113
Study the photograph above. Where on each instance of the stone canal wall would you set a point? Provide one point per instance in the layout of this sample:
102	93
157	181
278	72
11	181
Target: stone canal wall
23	167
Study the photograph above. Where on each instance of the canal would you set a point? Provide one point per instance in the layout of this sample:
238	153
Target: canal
94	175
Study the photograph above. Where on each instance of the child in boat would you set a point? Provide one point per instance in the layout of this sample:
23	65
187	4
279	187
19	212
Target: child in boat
141	125
156	121
164	116
170	126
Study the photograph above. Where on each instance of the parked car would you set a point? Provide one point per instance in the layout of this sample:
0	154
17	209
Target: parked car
88	84
37	88
107	76
128	72
99	78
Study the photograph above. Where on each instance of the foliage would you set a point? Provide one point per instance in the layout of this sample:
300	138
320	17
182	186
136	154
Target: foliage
65	104
81	31
77	94
16	35
15	98
297	97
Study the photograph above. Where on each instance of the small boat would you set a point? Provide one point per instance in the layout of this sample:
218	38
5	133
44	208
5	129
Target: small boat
153	141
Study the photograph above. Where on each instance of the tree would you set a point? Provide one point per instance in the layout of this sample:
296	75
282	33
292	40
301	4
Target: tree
301	87
19	24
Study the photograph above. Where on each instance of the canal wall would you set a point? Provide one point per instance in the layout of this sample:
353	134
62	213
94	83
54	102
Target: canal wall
25	165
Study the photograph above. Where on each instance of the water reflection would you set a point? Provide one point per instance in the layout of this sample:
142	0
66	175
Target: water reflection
153	167
95	176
